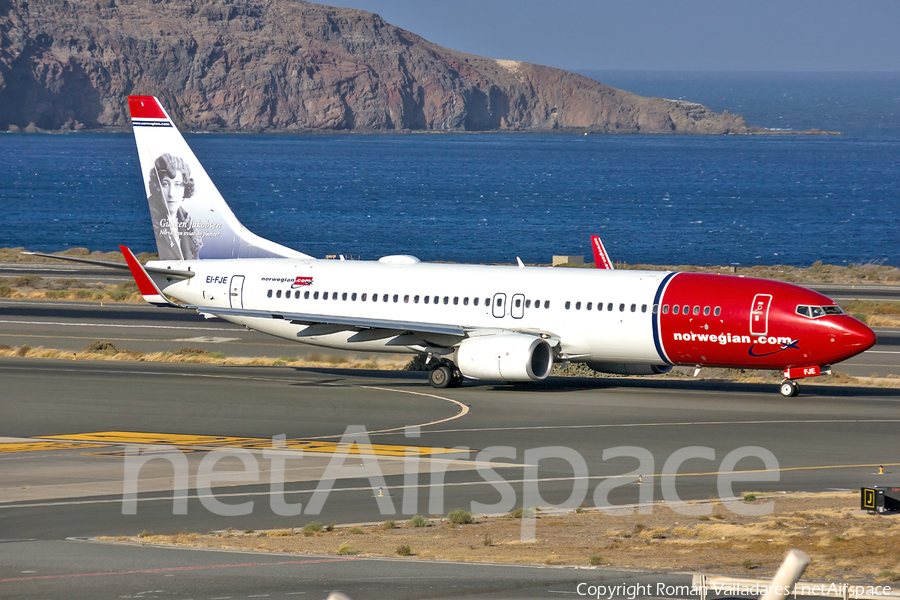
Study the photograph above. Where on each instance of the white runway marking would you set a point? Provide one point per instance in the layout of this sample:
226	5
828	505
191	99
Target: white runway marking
116	325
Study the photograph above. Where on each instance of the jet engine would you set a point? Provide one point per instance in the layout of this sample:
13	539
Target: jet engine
508	357
629	369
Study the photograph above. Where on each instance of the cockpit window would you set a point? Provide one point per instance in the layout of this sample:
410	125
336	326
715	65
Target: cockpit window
814	312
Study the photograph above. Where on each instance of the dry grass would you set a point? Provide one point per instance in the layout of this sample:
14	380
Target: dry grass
845	544
108	351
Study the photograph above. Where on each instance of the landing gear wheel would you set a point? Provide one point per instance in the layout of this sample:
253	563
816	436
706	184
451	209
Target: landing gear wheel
789	388
440	377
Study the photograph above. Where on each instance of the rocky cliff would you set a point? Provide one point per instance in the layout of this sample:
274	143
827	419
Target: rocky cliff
259	65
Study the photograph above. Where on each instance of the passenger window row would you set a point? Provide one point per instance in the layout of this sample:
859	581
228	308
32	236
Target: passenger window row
365	297
686	310
610	307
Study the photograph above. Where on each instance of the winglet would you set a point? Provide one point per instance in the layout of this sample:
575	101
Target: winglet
601	258
146	286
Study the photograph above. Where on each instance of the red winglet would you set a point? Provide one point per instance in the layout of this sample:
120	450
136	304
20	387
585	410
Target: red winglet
601	258
145	107
149	290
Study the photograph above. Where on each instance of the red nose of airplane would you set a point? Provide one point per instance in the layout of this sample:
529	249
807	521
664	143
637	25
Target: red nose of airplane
857	337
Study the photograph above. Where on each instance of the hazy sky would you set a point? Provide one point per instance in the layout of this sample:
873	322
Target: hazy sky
661	35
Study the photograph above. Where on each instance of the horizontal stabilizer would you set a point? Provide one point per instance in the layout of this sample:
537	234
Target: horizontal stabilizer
172	273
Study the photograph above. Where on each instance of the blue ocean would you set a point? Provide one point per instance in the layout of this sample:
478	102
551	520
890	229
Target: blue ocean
490	198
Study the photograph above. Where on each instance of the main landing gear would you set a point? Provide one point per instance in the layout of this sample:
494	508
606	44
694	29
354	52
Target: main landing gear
789	388
445	375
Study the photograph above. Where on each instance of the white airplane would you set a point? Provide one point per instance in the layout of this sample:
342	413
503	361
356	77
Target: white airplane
507	323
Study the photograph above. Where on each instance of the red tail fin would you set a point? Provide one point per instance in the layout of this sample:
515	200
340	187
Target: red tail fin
601	258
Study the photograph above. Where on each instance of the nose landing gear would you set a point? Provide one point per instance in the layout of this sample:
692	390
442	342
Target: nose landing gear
789	388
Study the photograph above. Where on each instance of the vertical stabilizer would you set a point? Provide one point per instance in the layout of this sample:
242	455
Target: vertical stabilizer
190	218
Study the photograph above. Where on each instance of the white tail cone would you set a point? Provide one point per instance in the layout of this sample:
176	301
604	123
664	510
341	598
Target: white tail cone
788	574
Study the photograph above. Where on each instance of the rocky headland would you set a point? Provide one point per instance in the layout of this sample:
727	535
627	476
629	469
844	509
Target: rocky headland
289	65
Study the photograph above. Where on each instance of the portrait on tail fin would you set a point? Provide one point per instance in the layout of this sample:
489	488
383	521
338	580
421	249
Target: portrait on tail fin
170	184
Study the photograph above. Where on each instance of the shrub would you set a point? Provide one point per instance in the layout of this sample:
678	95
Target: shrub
330	526
27	280
749	497
23	350
312	528
460	517
389	524
5	291
357	531
346	549
118	296
98	347
418	521
595	560
249	531
516	514
748	564
404	550
145	533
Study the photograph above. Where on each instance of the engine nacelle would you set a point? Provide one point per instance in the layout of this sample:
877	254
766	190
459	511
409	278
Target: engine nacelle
508	357
629	369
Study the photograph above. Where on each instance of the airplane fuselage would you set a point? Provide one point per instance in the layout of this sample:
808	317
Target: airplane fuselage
594	316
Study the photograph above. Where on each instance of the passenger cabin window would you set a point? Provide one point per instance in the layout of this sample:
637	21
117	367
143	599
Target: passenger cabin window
568	304
643	308
415	299
374	297
406	299
518	302
676	309
609	307
656	309
385	298
621	308
665	309
588	307
705	311
528	303
436	299
278	294
466	301
696	310
446	299
546	304
353	296
297	295
718	311
344	296
687	309
475	301
456	300
396	298
363	297
633	307
487	301
269	294
306	295
599	306
578	306
427	298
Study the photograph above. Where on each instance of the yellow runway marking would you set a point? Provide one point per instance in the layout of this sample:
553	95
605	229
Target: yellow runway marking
40	445
216	441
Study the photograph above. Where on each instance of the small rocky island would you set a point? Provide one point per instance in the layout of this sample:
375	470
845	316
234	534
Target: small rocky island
289	65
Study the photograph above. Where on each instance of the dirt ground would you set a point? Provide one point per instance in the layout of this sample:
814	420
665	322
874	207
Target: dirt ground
845	543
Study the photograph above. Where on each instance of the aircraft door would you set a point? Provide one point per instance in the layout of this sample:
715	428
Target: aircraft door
759	314
236	292
517	306
498	306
